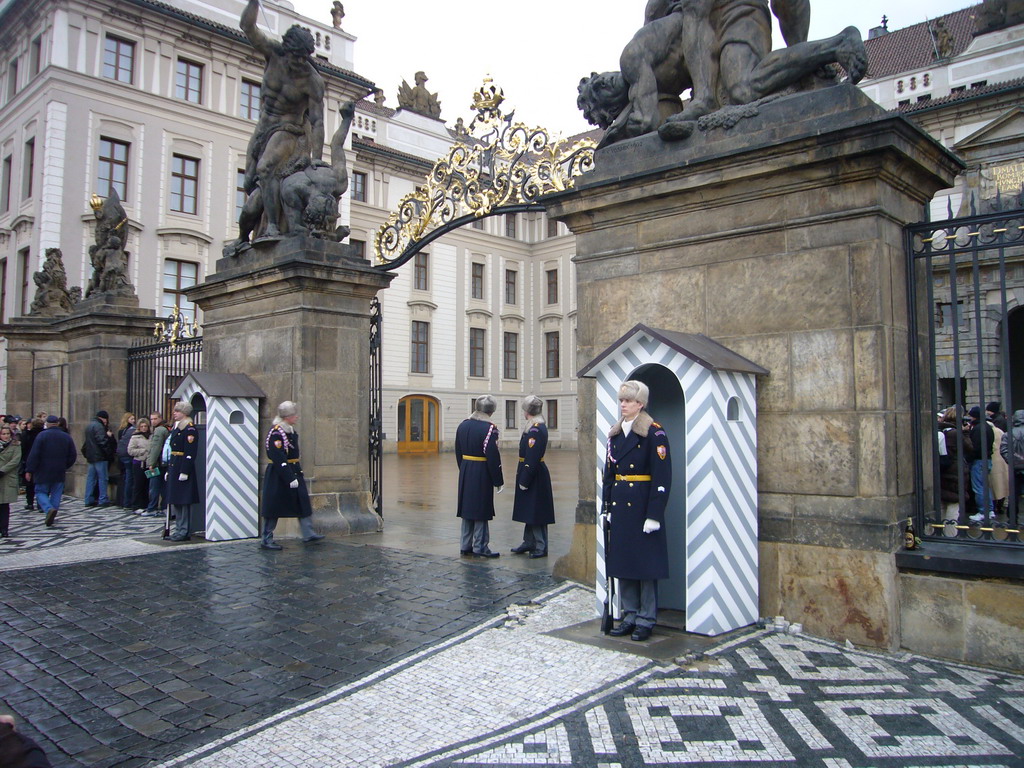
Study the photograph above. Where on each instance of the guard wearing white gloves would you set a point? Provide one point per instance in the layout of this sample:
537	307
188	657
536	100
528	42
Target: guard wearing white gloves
182	483
284	487
637	481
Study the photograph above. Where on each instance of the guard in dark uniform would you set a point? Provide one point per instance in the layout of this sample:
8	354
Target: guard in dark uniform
637	481
284	488
476	451
534	504
182	483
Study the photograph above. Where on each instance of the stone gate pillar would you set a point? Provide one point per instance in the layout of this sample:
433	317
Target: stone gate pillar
295	317
780	238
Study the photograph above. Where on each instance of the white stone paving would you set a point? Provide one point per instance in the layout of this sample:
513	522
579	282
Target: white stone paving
489	679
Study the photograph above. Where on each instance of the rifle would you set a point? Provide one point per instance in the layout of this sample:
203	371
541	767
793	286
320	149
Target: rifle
607	620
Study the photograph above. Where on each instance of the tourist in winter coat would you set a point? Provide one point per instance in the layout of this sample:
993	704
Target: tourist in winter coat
53	454
534	506
138	451
157	485
637	482
10	460
97	450
284	487
953	470
476	453
182	483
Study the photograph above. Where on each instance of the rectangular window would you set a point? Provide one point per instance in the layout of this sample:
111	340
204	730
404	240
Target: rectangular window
510	414
510	225
478	281
3	290
478	223
552	282
5	184
552	228
28	169
360	246
188	81
250	102
35	56
25	265
184	184
511	278
476	351
945	315
239	192
178	276
420	347
119	59
112	168
421	280
359	186
551	418
551	346
12	79
510	356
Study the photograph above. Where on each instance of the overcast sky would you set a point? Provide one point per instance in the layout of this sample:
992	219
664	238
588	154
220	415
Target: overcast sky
536	50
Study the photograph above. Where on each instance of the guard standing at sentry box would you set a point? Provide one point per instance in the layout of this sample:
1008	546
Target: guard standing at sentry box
637	482
182	483
534	505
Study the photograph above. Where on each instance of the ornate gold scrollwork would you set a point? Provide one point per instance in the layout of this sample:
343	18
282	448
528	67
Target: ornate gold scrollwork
176	328
497	163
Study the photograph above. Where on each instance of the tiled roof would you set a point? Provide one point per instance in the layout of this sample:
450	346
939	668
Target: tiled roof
358	142
965	95
914	47
371	107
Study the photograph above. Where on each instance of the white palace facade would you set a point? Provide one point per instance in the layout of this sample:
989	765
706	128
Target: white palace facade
158	101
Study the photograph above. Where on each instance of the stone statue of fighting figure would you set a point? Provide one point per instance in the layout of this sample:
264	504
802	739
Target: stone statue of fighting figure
289	137
721	49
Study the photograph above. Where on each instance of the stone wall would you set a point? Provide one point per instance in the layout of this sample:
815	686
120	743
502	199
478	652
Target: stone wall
782	240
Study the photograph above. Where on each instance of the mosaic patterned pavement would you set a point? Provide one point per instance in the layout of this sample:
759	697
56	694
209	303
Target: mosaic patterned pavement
75	522
508	693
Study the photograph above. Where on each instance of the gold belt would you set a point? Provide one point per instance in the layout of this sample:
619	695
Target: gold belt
474	458
523	459
177	453
634	478
293	461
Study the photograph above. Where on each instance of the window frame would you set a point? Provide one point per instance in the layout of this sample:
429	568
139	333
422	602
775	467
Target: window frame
359	179
28	168
419	347
512	285
477	353
551	413
511	411
421	272
510	356
249	102
111	162
180	287
551	285
25	266
120	43
552	354
180	180
477	281
6	172
510	225
193	71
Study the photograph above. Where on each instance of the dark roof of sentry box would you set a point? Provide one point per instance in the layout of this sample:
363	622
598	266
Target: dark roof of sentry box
222	385
696	346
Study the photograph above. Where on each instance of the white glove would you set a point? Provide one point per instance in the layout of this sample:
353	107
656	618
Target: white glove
293	484
167	476
501	488
523	488
182	477
606	518
650	526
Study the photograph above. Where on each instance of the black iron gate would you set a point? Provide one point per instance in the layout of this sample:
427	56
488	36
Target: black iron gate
966	324
376	410
155	370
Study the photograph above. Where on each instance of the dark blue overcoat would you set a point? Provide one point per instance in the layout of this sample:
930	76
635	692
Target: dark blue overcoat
535	505
633	554
279	499
184	447
476	451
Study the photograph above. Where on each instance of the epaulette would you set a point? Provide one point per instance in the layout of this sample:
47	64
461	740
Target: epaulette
655	424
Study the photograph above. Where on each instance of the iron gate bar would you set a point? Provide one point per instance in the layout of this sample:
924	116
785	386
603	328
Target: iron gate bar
148	367
376	409
971	238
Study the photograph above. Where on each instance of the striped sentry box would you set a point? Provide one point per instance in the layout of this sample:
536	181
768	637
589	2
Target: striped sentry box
714	563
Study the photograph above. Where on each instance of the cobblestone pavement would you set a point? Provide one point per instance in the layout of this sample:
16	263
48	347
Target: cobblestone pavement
118	649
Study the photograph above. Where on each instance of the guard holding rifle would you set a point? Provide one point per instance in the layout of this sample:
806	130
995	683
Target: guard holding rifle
637	481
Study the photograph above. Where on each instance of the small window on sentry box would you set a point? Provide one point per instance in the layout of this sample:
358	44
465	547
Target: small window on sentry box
236	417
732	409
